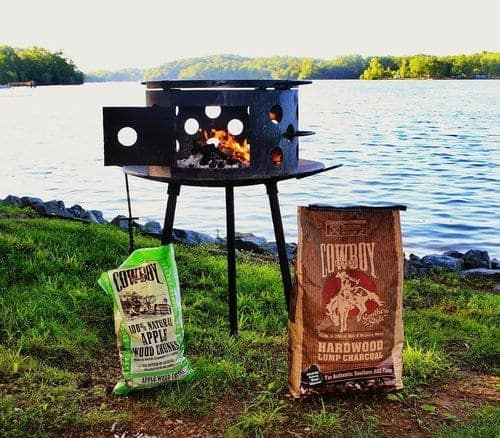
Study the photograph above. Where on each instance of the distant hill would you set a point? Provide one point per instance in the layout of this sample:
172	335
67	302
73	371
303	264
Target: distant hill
127	74
476	66
46	68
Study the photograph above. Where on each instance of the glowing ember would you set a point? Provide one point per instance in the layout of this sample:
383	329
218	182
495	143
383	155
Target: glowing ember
230	146
217	149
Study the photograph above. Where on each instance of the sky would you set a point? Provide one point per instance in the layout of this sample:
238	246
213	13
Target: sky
115	34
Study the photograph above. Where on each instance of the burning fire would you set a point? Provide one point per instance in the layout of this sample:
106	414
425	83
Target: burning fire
217	148
229	145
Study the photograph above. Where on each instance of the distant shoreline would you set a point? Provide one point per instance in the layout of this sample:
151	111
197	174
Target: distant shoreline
476	66
26	85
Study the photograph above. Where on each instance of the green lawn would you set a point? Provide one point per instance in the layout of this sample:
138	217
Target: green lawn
58	358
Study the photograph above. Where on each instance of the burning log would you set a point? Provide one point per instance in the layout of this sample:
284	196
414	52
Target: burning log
217	149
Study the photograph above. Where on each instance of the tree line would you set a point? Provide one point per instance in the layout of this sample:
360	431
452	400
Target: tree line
480	65
44	67
477	66
38	65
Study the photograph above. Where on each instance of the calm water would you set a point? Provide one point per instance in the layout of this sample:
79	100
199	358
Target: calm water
431	145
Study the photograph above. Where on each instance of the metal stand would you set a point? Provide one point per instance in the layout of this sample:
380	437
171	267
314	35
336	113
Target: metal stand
272	191
173	191
163	174
130	218
231	262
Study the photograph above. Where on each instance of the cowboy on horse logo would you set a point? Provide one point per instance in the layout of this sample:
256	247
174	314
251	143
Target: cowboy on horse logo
350	294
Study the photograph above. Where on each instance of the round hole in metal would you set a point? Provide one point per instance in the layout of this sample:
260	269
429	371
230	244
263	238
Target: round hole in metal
213	111
276	156
235	127
191	126
290	132
127	136
276	114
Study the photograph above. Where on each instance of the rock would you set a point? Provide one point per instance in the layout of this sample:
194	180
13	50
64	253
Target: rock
443	262
89	217
15	201
414	258
291	250
152	228
494	274
476	258
28	201
121	222
250	242
189	237
57	208
414	270
473	262
99	216
413	267
40	208
76	211
406	268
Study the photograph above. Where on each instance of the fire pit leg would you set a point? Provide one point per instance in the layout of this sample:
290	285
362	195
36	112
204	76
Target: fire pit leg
173	191
130	219
231	262
272	192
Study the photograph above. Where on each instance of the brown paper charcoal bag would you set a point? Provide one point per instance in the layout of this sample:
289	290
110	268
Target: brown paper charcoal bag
345	320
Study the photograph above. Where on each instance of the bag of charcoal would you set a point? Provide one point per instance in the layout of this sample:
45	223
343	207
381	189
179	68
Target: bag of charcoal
345	319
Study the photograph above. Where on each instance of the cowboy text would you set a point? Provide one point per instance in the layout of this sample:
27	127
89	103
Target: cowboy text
337	257
128	277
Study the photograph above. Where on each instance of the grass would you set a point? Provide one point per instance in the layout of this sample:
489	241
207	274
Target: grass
58	358
483	423
323	421
455	323
264	415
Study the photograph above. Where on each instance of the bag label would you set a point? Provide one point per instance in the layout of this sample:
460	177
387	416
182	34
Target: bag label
143	298
345	324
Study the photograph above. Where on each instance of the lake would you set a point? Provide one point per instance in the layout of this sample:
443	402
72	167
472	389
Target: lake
430	145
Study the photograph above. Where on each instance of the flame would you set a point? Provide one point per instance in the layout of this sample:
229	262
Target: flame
229	145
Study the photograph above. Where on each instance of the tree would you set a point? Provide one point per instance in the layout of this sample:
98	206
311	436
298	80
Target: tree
461	67
420	66
490	64
9	65
376	71
306	68
403	70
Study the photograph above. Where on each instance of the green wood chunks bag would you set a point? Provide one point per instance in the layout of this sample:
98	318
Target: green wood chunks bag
345	320
148	319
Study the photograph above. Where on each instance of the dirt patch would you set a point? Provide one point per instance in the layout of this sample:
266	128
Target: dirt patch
445	403
415	416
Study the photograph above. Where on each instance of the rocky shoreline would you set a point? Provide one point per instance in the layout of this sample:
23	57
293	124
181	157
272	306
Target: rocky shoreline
473	262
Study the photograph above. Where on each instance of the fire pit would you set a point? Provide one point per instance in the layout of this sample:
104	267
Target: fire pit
213	133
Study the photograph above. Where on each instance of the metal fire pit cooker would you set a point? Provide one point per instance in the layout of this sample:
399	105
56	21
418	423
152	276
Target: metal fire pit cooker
216	134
